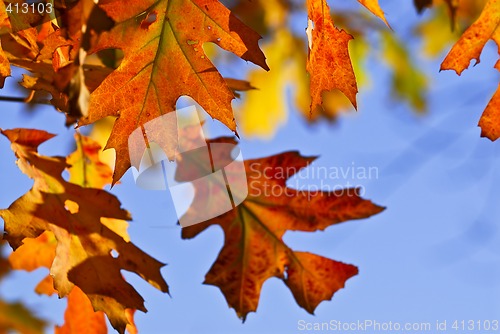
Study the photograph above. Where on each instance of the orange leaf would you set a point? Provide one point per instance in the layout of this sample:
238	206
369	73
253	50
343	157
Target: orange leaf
84	223
80	317
4	62
374	7
35	253
473	40
254	250
469	47
490	120
164	59
328	63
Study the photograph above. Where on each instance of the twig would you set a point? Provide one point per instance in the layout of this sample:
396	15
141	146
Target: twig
23	100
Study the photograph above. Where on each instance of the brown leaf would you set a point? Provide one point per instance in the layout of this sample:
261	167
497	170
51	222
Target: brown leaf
254	250
422	4
85	239
328	63
237	85
58	65
164	59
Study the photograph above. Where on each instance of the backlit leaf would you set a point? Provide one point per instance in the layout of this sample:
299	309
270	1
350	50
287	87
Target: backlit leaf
80	317
374	7
490	120
469	47
328	63
471	43
253	250
164	59
84	241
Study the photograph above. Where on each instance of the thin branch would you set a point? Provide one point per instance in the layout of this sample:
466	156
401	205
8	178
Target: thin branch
22	100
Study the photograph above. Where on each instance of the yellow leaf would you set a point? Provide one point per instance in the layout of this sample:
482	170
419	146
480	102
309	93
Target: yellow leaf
374	7
436	34
86	168
263	110
408	82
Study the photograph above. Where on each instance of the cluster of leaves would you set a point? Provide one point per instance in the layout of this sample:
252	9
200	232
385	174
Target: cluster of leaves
132	61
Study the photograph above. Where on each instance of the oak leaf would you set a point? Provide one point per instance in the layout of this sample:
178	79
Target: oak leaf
80	318
469	47
471	43
163	60
86	170
328	63
55	56
254	250
84	222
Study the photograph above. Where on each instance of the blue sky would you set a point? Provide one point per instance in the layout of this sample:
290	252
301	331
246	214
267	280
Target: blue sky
433	255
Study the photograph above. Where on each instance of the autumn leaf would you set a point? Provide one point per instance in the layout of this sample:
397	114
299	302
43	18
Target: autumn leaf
268	101
374	7
238	85
471	43
57	55
469	47
254	250
4	62
164	59
490	120
408	82
436	36
328	63
86	223
86	168
88	171
80	316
